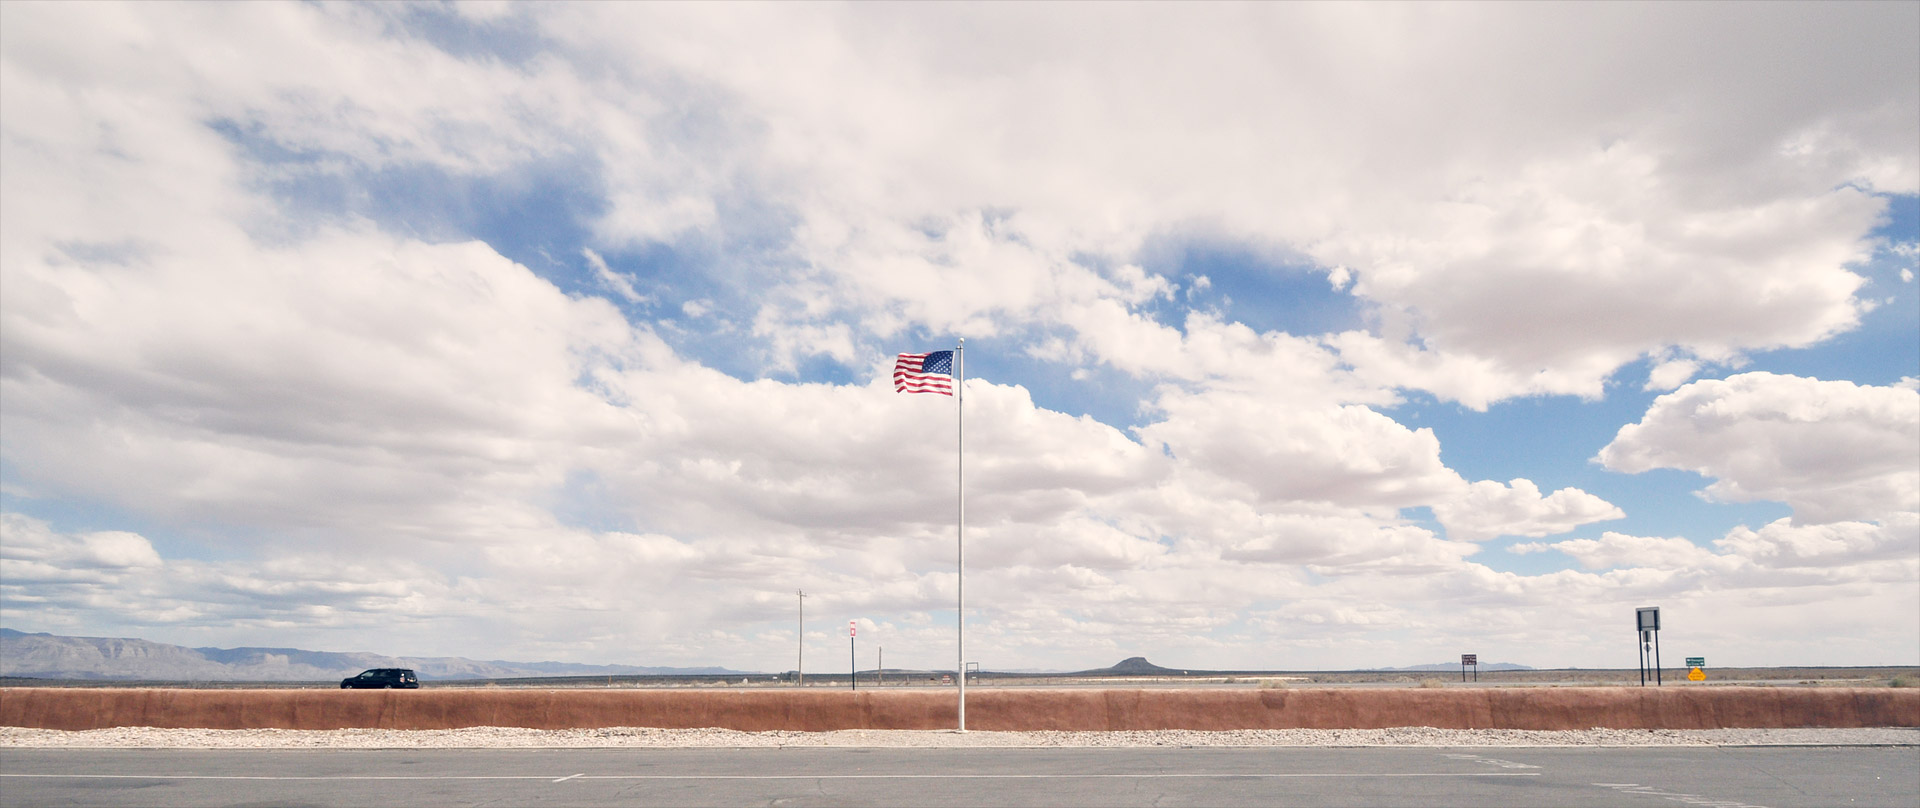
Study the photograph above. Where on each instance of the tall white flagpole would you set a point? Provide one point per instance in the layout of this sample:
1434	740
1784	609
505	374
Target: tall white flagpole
960	467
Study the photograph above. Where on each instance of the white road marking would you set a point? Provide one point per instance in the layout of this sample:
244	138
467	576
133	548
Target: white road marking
1504	764
1674	796
570	777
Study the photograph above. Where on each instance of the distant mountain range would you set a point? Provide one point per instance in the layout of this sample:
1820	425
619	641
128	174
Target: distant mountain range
1455	667
1139	666
50	656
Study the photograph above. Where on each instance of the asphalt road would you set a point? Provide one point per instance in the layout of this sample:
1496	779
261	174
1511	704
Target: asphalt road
1776	777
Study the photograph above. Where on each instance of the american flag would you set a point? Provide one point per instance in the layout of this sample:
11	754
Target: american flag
924	373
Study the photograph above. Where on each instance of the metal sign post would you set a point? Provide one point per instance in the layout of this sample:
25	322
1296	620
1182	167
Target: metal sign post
1646	621
1696	669
853	666
1469	659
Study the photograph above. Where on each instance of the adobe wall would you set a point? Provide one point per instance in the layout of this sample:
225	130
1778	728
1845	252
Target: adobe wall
987	709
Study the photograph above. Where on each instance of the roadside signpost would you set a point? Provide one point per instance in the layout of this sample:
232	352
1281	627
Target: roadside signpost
1646	621
853	666
1696	669
1469	660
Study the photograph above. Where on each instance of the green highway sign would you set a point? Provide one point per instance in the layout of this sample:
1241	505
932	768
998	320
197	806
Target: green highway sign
1696	662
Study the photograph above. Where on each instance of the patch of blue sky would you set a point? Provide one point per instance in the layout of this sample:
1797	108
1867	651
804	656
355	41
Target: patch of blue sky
667	275
1659	503
510	38
1261	289
79	515
1901	221
1494	556
1421	516
1498	556
541	215
1885	347
703	289
1264	289
1552	441
1540	438
583	501
822	369
537	214
704	303
1095	389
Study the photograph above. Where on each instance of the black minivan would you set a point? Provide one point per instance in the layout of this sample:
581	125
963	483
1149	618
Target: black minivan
381	678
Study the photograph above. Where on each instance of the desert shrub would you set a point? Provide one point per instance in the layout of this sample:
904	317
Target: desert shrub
1904	681
1432	683
1272	684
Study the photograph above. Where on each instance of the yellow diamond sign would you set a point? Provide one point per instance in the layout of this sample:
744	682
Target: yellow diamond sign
1697	675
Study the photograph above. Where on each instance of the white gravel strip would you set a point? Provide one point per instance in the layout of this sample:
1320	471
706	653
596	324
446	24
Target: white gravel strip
644	737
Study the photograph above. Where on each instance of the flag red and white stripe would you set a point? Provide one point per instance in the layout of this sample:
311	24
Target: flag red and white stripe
924	373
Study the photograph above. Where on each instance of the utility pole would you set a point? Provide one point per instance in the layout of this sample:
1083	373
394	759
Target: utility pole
880	670
800	665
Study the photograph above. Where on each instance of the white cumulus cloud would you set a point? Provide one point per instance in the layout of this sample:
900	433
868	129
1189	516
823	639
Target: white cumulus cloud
1833	450
261	327
1487	509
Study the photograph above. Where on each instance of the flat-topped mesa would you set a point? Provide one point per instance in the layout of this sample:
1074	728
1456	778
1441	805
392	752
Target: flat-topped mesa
1139	666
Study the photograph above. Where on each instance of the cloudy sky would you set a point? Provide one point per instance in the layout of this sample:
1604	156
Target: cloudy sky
1297	336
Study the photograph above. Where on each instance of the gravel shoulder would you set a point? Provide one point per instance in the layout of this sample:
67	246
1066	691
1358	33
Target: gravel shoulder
645	737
